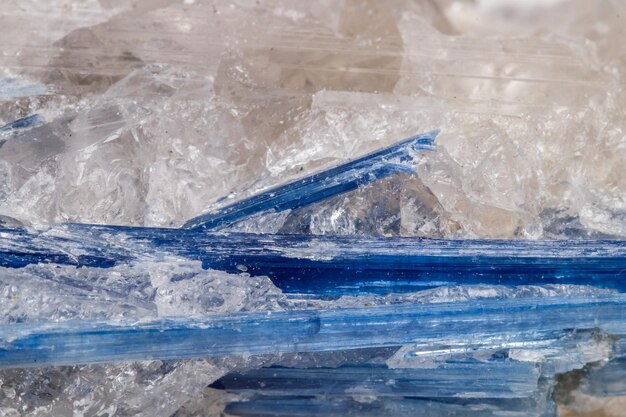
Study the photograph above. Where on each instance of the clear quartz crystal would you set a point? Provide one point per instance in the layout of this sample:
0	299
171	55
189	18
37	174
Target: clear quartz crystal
150	126
155	110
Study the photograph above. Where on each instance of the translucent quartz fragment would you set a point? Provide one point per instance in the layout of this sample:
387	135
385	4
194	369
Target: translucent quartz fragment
608	378
76	342
553	352
14	88
540	196
169	287
330	264
343	178
519	113
51	293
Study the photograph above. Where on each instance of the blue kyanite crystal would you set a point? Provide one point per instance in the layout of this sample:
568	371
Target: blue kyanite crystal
78	342
10	129
528	310
311	189
265	406
23	123
489	379
331	265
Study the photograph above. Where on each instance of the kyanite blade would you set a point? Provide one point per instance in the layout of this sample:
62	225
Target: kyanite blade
83	342
324	184
332	265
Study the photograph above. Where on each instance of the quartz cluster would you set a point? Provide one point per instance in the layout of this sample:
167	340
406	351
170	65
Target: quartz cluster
189	226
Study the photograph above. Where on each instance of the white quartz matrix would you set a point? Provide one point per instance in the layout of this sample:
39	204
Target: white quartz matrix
153	110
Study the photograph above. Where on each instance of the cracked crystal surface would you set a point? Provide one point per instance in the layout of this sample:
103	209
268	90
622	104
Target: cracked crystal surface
151	112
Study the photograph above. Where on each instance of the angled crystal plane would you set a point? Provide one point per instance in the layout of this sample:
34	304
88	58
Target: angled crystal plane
325	184
330	265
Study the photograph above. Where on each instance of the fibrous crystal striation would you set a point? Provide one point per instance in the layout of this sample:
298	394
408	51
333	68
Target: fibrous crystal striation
140	116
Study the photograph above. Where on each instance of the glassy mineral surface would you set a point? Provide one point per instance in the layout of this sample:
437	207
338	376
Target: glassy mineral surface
153	112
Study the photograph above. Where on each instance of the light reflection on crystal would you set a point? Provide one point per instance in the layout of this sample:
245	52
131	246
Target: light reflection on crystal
151	111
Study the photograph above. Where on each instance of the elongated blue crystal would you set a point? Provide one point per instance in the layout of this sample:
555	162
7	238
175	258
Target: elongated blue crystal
331	265
494	373
498	379
266	406
23	123
328	183
10	129
76	342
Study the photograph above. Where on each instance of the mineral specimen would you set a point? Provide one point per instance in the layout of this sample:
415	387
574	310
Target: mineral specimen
483	279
